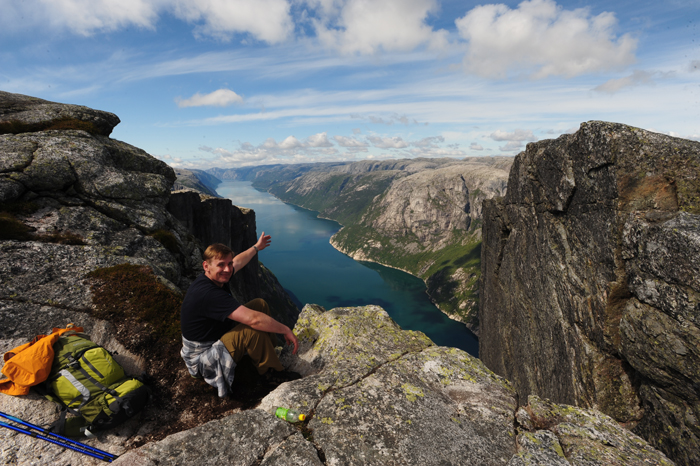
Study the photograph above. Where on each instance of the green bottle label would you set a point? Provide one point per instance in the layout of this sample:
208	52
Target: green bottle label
281	413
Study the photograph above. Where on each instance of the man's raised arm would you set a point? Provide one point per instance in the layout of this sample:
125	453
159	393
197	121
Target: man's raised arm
242	259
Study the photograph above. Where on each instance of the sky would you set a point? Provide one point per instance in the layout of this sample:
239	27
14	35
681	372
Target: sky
230	83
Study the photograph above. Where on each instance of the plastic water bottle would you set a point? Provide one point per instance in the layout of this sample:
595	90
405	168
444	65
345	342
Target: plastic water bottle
291	415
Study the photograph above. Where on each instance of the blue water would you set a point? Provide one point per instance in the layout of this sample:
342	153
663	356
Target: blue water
313	271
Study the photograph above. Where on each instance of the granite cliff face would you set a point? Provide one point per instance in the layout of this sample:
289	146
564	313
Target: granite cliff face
420	215
590	279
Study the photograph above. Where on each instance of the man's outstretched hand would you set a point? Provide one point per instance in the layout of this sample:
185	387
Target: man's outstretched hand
263	241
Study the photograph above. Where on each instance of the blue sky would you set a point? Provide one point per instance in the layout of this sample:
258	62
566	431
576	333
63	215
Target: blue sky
227	83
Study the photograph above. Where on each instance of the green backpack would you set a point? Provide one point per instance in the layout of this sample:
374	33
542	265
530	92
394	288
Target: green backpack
88	383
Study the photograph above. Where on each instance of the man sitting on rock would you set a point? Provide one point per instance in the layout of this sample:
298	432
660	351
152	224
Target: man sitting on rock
217	331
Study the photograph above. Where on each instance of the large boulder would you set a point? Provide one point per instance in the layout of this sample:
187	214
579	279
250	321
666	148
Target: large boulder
590	279
21	113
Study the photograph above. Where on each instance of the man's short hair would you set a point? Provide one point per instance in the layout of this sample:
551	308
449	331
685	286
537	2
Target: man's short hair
216	251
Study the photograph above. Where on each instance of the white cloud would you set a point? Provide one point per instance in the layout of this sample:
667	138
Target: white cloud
637	78
84	17
265	20
290	143
388	143
220	98
291	150
430	142
540	39
350	143
390	120
319	140
519	135
694	66
475	146
368	26
512	146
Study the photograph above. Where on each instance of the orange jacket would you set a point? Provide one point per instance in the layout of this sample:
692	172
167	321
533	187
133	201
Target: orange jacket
30	364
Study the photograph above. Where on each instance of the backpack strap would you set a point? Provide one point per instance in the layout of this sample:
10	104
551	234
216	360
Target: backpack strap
82	389
74	363
59	425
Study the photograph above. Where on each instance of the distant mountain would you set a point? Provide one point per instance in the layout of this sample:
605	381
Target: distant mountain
197	180
421	215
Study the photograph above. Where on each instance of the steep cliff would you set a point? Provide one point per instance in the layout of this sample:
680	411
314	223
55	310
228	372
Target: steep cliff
590	279
420	215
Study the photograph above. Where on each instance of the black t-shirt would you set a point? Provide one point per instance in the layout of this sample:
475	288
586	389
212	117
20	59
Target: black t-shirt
204	312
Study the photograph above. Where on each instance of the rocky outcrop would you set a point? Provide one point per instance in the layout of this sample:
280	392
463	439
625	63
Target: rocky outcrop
107	195
73	202
590	279
552	434
375	394
23	114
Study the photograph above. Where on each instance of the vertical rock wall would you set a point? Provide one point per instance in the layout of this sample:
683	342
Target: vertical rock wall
590	283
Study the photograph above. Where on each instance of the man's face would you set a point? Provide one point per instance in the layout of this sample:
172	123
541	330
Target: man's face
219	270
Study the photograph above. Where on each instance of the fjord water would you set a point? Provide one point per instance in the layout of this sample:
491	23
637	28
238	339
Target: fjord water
308	267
